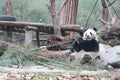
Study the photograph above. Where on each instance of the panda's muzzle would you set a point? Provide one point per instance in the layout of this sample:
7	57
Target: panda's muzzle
88	37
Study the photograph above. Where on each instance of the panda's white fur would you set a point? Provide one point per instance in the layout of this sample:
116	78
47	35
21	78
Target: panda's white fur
90	34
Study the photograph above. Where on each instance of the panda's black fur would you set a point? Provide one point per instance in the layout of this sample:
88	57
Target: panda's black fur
85	45
90	45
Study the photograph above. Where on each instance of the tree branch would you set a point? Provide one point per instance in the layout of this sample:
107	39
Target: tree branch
105	5
104	22
111	2
58	12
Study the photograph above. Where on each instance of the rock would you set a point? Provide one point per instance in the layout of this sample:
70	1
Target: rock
117	49
103	47
111	56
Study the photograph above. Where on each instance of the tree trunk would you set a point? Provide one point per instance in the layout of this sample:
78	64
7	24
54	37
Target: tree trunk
105	12
8	7
9	12
69	13
52	10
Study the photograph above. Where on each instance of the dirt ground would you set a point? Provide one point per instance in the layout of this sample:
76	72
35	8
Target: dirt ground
33	73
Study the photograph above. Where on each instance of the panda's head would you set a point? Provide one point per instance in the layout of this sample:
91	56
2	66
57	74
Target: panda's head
90	34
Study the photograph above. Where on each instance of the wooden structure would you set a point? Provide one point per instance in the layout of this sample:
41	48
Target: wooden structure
27	27
68	13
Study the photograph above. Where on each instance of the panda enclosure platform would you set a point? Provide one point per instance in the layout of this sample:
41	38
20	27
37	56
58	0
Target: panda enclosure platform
28	27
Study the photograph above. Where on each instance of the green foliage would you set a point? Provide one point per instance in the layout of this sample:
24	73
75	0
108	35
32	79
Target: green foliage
18	56
2	7
20	9
25	55
116	6
84	9
31	10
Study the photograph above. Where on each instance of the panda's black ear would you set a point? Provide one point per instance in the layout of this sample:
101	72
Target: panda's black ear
95	29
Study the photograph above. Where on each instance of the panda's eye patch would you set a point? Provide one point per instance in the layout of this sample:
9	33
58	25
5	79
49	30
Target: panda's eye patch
90	33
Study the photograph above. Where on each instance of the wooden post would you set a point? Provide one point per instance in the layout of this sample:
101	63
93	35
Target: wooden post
28	36
9	34
37	37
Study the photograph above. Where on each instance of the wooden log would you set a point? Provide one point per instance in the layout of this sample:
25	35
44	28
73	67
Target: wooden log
54	54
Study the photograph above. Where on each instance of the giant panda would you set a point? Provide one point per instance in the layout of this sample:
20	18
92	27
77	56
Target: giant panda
88	42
